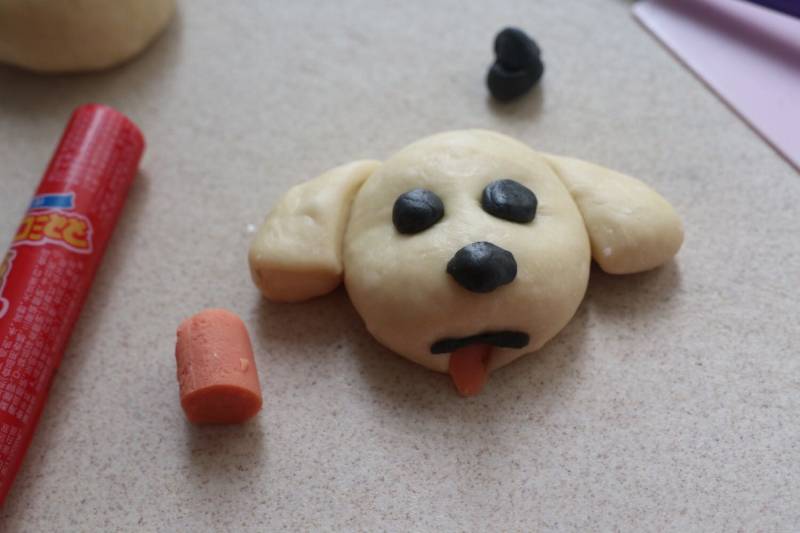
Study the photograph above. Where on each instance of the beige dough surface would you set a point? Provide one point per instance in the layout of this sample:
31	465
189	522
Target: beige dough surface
78	35
399	284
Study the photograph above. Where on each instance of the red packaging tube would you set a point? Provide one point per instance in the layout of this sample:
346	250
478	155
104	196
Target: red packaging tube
47	272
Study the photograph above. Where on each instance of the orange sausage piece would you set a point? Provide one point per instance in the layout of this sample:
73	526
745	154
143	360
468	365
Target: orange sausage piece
216	370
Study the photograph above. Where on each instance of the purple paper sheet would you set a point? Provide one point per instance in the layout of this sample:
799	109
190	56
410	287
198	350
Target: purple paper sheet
747	54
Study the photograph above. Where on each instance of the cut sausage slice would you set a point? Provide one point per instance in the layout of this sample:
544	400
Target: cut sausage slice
216	370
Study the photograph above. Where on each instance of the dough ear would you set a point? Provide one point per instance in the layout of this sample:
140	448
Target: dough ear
631	227
297	252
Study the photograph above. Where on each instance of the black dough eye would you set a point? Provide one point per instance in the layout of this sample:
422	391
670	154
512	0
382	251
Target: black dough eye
509	200
417	211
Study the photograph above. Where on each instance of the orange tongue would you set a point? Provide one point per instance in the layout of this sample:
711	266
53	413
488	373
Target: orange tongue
468	368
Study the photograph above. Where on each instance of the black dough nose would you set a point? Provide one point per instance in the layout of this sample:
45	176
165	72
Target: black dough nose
482	267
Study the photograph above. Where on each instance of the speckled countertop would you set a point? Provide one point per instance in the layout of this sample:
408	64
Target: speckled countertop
670	403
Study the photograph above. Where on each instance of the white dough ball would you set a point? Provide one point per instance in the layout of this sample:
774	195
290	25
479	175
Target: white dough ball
78	35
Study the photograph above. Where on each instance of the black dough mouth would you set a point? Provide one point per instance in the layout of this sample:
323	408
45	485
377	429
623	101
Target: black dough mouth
500	339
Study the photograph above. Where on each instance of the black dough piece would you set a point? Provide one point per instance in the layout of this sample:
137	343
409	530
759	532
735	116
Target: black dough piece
518	65
515	50
482	267
502	339
509	200
416	211
505	84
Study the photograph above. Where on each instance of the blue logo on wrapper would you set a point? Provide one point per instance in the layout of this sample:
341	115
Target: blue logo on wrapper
54	201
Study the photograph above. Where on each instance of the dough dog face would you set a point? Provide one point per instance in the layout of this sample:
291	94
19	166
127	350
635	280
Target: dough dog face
399	282
465	242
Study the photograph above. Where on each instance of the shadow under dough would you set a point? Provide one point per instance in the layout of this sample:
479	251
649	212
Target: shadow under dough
316	323
523	109
218	456
633	295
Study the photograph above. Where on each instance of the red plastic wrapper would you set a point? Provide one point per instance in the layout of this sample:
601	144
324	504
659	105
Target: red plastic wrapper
47	272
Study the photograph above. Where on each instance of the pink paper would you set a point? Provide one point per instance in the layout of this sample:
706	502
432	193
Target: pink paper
749	55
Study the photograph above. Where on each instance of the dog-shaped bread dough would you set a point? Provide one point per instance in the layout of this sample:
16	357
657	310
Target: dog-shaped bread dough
415	292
